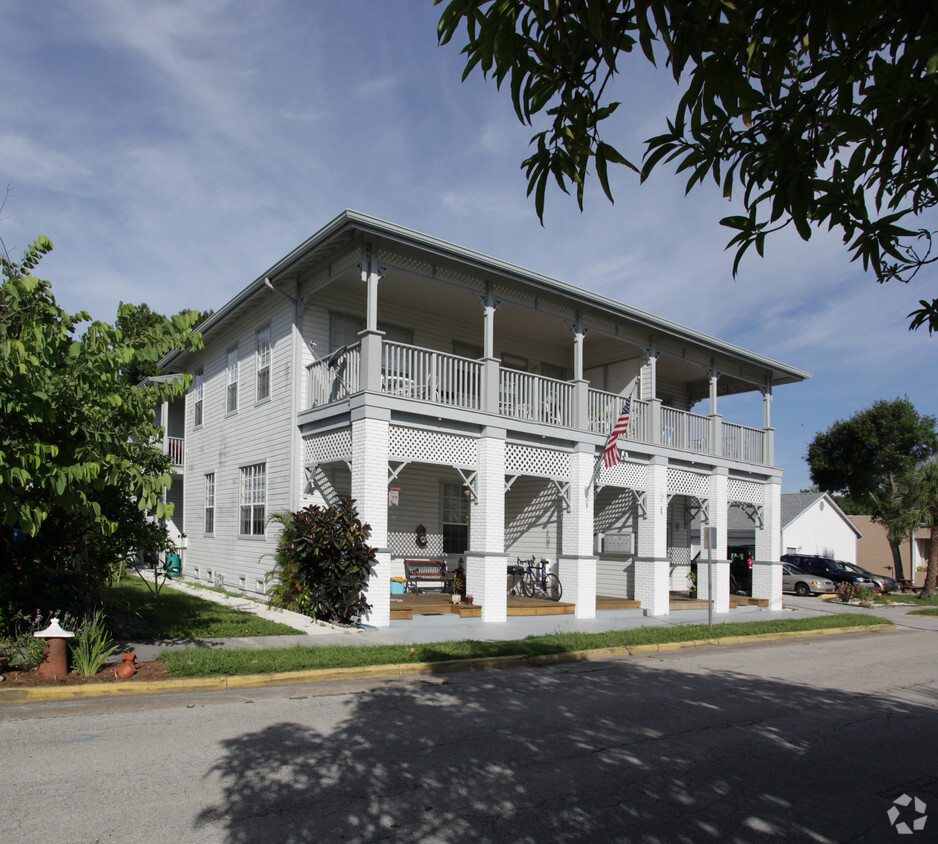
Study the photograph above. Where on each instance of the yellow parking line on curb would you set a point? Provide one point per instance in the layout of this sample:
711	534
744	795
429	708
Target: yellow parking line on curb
320	675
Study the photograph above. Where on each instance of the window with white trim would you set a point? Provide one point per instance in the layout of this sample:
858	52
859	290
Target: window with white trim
198	391
262	354
454	518
253	499
210	502
231	364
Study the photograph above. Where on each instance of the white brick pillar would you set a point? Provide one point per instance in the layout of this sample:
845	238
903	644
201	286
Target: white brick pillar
486	562
577	569
370	491
652	564
767	568
719	512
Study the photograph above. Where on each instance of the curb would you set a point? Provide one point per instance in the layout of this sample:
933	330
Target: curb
322	675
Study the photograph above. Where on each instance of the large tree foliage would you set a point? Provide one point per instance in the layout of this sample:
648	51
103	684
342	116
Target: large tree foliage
823	113
81	473
916	504
868	456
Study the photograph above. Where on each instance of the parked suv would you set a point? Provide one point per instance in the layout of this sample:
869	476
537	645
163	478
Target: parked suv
831	569
883	583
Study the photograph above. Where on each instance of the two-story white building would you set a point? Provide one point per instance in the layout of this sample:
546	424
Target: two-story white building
464	403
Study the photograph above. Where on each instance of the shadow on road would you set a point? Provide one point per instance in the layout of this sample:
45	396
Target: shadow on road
616	751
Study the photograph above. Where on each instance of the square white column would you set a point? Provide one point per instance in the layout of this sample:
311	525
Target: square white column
652	564
767	567
486	561
577	565
370	492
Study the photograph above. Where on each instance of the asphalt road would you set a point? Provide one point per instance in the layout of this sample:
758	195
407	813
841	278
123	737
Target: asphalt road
809	740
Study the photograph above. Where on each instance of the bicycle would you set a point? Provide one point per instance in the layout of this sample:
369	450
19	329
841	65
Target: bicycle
537	582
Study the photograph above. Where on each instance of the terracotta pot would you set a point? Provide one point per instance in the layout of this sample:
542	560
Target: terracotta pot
127	669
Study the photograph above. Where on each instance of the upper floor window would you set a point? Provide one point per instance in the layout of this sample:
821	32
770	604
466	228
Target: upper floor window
210	503
263	363
231	363
198	390
253	499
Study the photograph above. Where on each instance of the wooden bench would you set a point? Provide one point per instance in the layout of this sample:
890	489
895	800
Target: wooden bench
417	572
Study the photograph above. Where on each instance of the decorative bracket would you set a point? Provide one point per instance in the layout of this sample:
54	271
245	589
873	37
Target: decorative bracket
563	488
509	480
470	482
393	473
755	512
697	507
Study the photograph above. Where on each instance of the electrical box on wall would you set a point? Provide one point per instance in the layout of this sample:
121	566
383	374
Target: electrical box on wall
617	543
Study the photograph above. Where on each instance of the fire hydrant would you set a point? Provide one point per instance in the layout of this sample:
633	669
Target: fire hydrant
55	655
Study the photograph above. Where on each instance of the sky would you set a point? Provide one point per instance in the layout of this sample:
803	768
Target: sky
173	151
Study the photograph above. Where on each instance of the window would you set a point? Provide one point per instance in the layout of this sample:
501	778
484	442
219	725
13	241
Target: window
455	518
263	363
198	389
467	350
550	370
344	330
210	503
253	499
232	364
510	361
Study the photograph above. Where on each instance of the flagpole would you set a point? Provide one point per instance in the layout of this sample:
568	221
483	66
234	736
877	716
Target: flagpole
600	457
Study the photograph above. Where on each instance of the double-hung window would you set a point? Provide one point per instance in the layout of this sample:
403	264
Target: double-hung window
198	390
231	363
210	503
262	354
455	518
253	499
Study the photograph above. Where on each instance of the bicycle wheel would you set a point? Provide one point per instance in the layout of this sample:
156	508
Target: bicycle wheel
528	584
552	587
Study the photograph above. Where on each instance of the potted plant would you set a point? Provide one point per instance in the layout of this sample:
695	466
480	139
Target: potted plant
459	585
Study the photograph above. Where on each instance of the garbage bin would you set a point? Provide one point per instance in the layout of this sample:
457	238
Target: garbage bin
173	568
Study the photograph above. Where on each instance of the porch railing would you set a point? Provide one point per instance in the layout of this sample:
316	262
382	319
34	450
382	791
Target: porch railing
422	374
416	373
684	430
742	443
604	409
176	448
522	395
336	377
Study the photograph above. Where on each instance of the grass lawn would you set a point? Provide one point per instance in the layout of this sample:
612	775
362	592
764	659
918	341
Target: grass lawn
907	598
133	613
202	662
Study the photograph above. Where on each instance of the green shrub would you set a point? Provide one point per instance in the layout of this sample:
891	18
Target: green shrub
91	646
323	563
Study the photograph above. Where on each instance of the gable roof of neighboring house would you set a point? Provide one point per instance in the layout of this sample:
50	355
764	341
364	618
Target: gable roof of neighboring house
351	227
794	504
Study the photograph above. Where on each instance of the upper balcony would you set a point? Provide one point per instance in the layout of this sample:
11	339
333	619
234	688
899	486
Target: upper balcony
448	380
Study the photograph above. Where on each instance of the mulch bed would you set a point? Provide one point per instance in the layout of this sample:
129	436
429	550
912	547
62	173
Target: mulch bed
19	678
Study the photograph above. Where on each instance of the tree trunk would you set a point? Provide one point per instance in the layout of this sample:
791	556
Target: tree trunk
897	557
929	590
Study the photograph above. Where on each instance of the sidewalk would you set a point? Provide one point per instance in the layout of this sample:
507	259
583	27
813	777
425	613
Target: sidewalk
438	628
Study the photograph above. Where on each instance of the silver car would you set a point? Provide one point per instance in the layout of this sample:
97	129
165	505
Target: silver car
883	583
804	583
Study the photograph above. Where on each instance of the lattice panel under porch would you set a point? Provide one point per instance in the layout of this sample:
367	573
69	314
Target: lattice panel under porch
752	493
531	460
627	475
431	447
327	448
688	483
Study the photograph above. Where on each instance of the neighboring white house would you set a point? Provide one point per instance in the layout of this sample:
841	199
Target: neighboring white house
464	402
812	523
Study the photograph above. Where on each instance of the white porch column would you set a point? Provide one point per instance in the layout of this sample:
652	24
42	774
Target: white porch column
652	564
370	491
768	451
577	569
486	562
719	513
767	567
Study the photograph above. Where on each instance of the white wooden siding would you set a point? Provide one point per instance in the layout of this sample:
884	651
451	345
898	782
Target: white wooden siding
532	520
615	511
260	432
821	531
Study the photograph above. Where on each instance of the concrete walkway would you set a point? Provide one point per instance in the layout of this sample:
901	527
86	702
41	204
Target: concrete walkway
439	628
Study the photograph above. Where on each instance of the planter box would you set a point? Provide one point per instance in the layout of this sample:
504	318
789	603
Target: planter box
397	588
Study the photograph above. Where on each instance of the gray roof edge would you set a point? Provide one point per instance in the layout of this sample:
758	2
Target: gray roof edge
814	497
384	228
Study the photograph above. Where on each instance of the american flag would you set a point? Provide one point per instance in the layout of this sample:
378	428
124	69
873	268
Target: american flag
611	451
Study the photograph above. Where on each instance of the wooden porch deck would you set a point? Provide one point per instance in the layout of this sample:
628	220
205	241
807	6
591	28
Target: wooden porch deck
405	607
